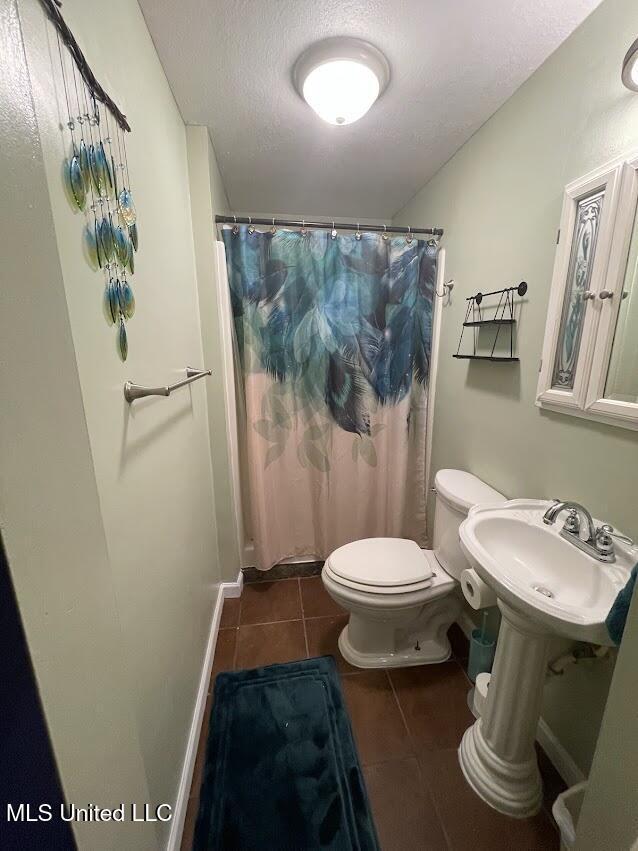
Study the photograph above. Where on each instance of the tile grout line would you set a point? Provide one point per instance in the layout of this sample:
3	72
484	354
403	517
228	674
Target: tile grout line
234	668
303	618
271	623
424	779
437	813
401	713
426	792
241	602
241	605
415	757
323	617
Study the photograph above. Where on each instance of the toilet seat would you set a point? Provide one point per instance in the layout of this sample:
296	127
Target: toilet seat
377	589
380	600
380	562
382	566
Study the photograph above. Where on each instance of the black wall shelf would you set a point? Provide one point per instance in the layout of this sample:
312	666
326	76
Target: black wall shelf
495	358
489	322
503	317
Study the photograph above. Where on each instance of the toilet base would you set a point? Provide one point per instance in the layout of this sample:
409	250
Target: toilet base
430	652
404	637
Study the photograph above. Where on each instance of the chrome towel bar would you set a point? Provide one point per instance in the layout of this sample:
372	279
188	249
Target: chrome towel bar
136	391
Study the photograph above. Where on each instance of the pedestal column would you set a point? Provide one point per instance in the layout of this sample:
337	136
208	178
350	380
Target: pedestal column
497	752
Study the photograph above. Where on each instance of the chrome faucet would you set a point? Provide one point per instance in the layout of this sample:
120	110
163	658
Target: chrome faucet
599	542
572	524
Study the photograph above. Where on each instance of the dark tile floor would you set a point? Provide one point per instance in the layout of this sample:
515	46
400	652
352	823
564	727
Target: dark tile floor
407	723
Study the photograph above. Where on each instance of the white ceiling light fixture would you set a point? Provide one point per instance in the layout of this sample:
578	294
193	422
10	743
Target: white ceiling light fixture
630	67
340	78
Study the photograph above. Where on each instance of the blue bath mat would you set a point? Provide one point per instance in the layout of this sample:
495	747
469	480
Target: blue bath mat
282	772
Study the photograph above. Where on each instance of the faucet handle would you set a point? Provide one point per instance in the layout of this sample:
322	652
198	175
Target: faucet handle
604	539
617	535
572	522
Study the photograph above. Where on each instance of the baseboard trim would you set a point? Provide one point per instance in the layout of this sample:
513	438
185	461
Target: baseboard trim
226	589
233	589
557	754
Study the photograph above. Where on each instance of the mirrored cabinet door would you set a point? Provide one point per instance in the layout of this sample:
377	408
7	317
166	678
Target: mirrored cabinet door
621	384
622	376
580	267
613	391
590	353
577	286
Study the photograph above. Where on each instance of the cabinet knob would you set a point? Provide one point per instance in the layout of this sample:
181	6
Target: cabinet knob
588	295
603	294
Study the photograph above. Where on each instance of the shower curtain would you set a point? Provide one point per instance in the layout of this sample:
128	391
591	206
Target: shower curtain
333	343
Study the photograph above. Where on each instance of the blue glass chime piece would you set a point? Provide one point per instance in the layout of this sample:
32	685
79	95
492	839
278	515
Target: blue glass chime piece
106	239
132	232
127	298
121	244
94	168
113	303
84	165
75	181
122	341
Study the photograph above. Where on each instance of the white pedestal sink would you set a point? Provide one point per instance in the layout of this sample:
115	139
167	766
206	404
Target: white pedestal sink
545	586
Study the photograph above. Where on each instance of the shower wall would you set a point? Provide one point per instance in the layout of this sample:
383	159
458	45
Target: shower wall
208	199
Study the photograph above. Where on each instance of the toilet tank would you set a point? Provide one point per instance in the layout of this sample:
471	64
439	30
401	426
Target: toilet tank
456	492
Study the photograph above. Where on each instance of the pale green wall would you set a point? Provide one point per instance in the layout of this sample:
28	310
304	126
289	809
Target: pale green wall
50	513
499	200
609	815
151	460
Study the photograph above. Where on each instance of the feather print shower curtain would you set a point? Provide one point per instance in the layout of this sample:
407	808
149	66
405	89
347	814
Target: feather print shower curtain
333	340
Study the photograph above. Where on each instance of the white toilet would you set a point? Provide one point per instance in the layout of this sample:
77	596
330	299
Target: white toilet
402	599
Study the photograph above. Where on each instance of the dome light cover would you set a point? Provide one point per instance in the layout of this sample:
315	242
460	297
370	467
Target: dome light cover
340	78
630	67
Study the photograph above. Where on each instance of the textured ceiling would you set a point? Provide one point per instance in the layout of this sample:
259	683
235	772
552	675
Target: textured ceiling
453	64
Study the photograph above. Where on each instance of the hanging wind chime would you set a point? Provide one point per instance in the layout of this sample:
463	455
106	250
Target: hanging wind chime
97	178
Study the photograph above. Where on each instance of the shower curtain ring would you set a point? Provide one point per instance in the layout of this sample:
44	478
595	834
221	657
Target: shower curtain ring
384	235
273	229
408	238
333	232
303	227
251	227
447	289
358	232
235	226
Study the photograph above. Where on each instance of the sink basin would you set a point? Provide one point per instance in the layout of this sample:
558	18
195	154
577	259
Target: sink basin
545	586
531	567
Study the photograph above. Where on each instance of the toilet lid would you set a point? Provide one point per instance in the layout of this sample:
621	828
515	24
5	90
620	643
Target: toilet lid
381	562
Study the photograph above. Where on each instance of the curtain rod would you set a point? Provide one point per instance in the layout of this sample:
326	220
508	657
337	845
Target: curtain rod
52	8
283	223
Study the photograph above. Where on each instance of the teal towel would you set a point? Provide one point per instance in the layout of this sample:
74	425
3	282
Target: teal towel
617	617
